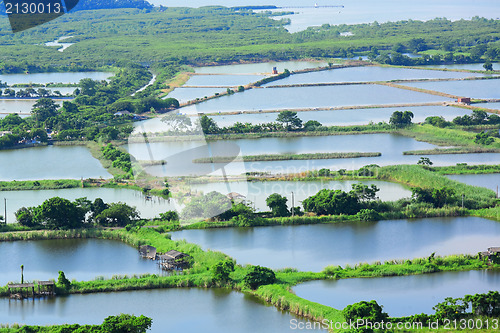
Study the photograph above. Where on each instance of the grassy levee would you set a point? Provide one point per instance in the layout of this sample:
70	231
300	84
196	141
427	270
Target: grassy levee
278	294
466	169
459	262
19	185
283	298
458	150
489	213
414	175
444	136
95	150
285	157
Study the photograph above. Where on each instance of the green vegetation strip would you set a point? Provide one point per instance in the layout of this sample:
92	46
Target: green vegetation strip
285	157
413	175
39	184
463	169
457	150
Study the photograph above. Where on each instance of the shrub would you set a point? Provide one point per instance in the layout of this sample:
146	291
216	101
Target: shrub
259	276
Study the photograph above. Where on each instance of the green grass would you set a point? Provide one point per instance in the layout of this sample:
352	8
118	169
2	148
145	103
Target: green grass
417	176
489	213
445	136
466	169
458	150
39	184
285	157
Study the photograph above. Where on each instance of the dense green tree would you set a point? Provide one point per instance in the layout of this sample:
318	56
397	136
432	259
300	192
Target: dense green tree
59	213
364	312
206	206
365	192
312	125
63	284
258	276
222	269
26	217
425	161
290	120
485	304
437	197
277	204
483	138
401	119
125	323
332	202
43	109
208	125
117	214
169	216
488	66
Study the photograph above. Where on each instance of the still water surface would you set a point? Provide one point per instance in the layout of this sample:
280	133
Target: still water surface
147	208
172	310
311	97
491	181
401	295
257	192
342	117
391	146
44	78
363	11
189	94
222	80
263	67
367	74
80	259
474	89
313	247
50	162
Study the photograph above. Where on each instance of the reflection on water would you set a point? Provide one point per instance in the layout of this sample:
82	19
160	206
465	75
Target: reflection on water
222	80
311	97
44	78
474	89
334	117
172	310
80	259
313	247
257	192
148	208
367	74
402	295
263	67
50	162
491	181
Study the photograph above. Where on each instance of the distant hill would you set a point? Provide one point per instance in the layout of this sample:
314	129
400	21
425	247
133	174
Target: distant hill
101	4
110	4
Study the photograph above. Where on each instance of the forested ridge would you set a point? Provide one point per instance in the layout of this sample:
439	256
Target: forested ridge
222	35
102	4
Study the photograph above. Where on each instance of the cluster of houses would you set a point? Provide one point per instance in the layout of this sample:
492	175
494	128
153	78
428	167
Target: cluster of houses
171	260
493	254
127	113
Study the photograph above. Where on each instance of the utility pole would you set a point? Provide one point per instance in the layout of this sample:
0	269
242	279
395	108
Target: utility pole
5	210
293	212
463	196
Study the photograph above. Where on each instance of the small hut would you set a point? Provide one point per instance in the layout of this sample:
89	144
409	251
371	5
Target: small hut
493	254
21	290
173	260
464	100
147	251
46	288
